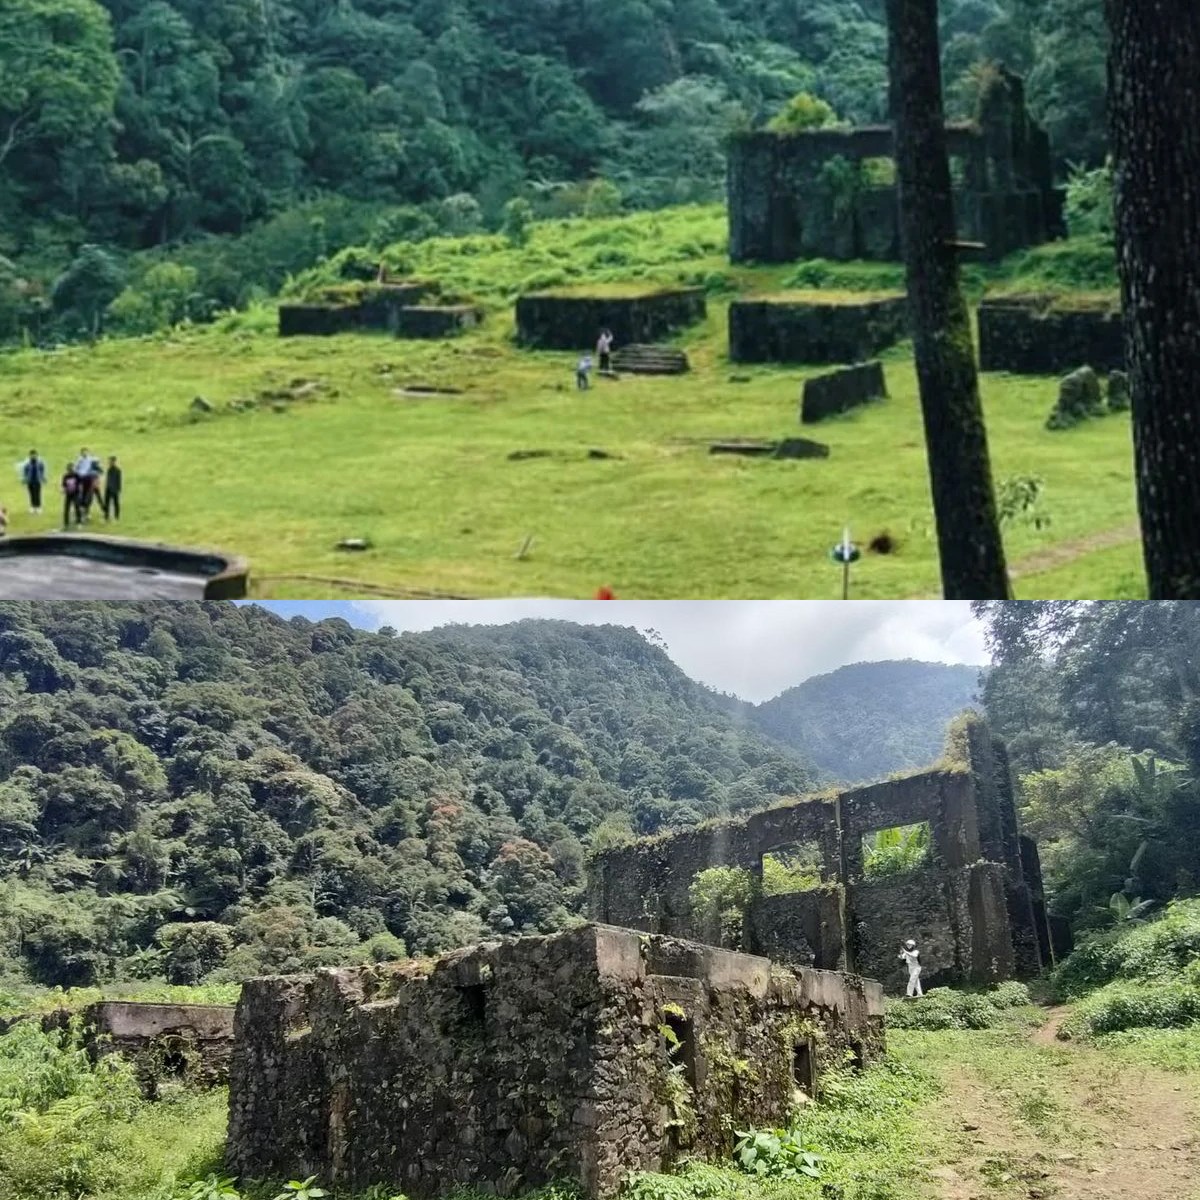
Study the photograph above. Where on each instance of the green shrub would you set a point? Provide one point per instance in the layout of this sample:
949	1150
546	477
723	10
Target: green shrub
1119	1006
1160	949
946	1008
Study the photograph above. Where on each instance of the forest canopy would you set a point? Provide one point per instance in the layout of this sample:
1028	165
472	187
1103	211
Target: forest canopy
210	792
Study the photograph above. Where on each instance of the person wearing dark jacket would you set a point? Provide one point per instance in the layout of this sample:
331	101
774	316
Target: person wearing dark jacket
112	490
72	496
33	476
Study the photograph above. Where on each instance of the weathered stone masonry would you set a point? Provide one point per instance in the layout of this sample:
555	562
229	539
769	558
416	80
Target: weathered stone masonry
976	908
785	205
513	1063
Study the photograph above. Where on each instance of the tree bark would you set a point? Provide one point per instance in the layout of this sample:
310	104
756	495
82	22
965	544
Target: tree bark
1154	120
964	502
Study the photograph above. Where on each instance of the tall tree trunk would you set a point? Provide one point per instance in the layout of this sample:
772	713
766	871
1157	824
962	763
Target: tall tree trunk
1154	117
964	503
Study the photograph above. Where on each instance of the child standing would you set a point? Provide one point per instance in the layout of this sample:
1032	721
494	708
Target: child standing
583	372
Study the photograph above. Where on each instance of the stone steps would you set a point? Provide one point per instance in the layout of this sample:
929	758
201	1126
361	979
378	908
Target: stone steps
650	360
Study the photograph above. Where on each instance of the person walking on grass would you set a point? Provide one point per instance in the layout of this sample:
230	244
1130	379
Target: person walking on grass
583	373
112	489
71	496
912	959
33	476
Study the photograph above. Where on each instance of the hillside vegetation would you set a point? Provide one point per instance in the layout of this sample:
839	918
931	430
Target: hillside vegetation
205	791
215	146
866	720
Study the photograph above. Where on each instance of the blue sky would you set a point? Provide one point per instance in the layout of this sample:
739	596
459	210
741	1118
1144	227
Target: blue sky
752	648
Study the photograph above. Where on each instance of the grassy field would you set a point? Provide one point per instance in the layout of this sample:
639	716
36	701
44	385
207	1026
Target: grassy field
429	479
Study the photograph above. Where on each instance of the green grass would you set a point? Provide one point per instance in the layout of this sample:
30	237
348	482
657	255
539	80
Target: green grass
430	483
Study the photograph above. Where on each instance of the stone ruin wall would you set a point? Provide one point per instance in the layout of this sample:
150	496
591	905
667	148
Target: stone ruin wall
511	1064
782	209
976	907
1039	335
552	321
190	1043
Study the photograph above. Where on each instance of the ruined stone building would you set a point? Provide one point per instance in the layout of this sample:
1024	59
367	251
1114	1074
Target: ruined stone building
975	905
812	194
583	1055
184	1043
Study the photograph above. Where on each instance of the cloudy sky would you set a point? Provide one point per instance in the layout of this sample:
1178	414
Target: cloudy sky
752	648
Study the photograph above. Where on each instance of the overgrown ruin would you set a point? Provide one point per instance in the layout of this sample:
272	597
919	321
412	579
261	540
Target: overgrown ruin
975	904
829	193
582	1055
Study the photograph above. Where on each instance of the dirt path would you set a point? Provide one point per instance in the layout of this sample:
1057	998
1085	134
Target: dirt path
1065	553
1052	1120
1062	555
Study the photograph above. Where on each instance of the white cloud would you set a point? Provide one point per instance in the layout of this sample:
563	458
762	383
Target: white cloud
752	648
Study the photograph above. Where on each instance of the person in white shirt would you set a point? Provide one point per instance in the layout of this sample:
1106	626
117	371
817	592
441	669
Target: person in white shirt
912	959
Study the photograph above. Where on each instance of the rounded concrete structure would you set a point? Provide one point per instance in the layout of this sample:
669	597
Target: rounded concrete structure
63	566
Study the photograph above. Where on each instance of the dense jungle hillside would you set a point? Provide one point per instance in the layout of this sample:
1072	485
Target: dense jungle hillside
316	124
210	791
868	719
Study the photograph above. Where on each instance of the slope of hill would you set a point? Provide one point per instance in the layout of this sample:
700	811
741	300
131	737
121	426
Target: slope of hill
868	719
189	789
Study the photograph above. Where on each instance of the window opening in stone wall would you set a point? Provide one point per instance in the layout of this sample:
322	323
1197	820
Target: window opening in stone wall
857	1061
896	851
680	1039
803	1074
795	867
474	1002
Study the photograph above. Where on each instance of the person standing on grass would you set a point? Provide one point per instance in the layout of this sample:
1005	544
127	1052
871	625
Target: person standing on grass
112	489
84	477
912	959
71	496
33	476
583	372
604	351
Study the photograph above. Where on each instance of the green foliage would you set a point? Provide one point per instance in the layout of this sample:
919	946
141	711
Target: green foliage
302	1189
239	137
1124	1005
1089	209
212	1187
803	111
719	898
210	793
1095	703
896	851
791	869
946	1008
1157	951
775	1154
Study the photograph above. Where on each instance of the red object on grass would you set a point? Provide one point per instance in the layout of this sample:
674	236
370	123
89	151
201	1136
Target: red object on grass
605	594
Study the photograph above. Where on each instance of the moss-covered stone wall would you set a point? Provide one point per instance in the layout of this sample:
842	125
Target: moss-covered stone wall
809	331
972	902
554	321
511	1064
1045	335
